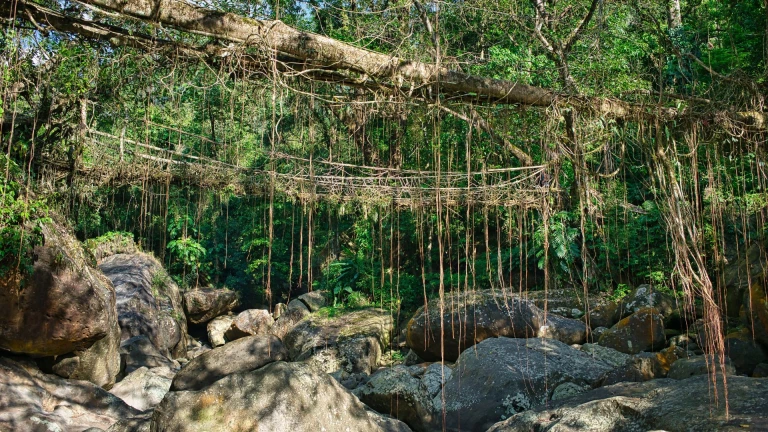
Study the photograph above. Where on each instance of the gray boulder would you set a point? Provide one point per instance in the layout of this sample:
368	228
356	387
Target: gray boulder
64	309
500	377
99	364
279	397
663	404
491	381
33	401
699	365
148	301
139	351
471	317
641	331
217	329
205	304
280	309
239	356
289	319
401	392
607	355
250	323
314	300
348	345
142	389
646	296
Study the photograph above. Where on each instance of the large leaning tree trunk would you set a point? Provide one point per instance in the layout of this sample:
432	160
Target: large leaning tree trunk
320	57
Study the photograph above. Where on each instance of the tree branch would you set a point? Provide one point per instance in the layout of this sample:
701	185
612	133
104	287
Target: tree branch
478	121
574	36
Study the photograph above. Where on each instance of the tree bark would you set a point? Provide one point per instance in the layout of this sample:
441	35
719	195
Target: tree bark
324	52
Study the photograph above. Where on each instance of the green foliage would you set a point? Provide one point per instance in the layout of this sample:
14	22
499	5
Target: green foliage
116	238
621	291
563	248
159	283
21	217
376	251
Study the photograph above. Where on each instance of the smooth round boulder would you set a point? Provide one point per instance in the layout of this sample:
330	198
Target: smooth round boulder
65	305
471	317
656	405
279	397
204	304
250	322
314	300
500	377
217	329
142	389
33	401
148	301
699	365
348	345
239	356
641	331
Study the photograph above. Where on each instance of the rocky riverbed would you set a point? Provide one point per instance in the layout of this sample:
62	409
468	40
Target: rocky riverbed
100	340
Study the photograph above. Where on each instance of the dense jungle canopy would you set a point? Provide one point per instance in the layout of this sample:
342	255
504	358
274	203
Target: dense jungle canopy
390	151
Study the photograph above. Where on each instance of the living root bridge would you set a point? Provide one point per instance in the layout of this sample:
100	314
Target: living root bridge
322	58
118	160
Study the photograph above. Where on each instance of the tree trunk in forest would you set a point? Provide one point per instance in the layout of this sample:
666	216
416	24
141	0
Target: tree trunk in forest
323	58
674	16
324	52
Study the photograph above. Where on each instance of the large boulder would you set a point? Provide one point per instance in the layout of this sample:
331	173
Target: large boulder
239	356
500	377
646	296
641	331
471	317
570	302
743	352
349	345
65	305
138	352
749	268
205	304
289	318
663	404
250	322
217	329
142	389
99	364
279	397
148	301
314	300
491	381
699	365
645	366
406	393
33	401
604	315
755	307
